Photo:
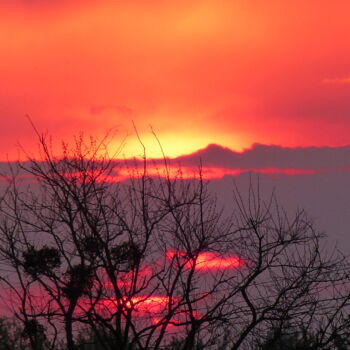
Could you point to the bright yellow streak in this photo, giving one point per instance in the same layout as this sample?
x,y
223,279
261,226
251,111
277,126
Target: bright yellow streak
x,y
171,145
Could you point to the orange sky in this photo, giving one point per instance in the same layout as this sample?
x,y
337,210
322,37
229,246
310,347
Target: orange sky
x,y
199,71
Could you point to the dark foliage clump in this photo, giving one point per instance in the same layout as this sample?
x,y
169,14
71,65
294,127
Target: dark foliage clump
x,y
80,281
41,261
10,335
126,253
91,246
32,328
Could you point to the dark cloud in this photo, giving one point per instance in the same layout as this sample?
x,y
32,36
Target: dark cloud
x,y
263,156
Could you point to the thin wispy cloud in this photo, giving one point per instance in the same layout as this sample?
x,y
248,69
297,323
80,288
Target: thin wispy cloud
x,y
336,81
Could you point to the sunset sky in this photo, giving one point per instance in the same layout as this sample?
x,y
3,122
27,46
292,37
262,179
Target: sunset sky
x,y
230,72
239,87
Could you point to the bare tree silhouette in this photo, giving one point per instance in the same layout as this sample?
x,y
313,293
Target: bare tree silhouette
x,y
134,263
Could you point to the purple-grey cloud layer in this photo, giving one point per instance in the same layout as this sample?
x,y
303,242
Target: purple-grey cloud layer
x,y
264,156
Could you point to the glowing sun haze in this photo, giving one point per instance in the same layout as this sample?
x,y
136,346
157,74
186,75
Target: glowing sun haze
x,y
200,72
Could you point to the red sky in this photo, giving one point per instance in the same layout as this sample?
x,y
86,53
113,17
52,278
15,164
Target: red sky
x,y
199,71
